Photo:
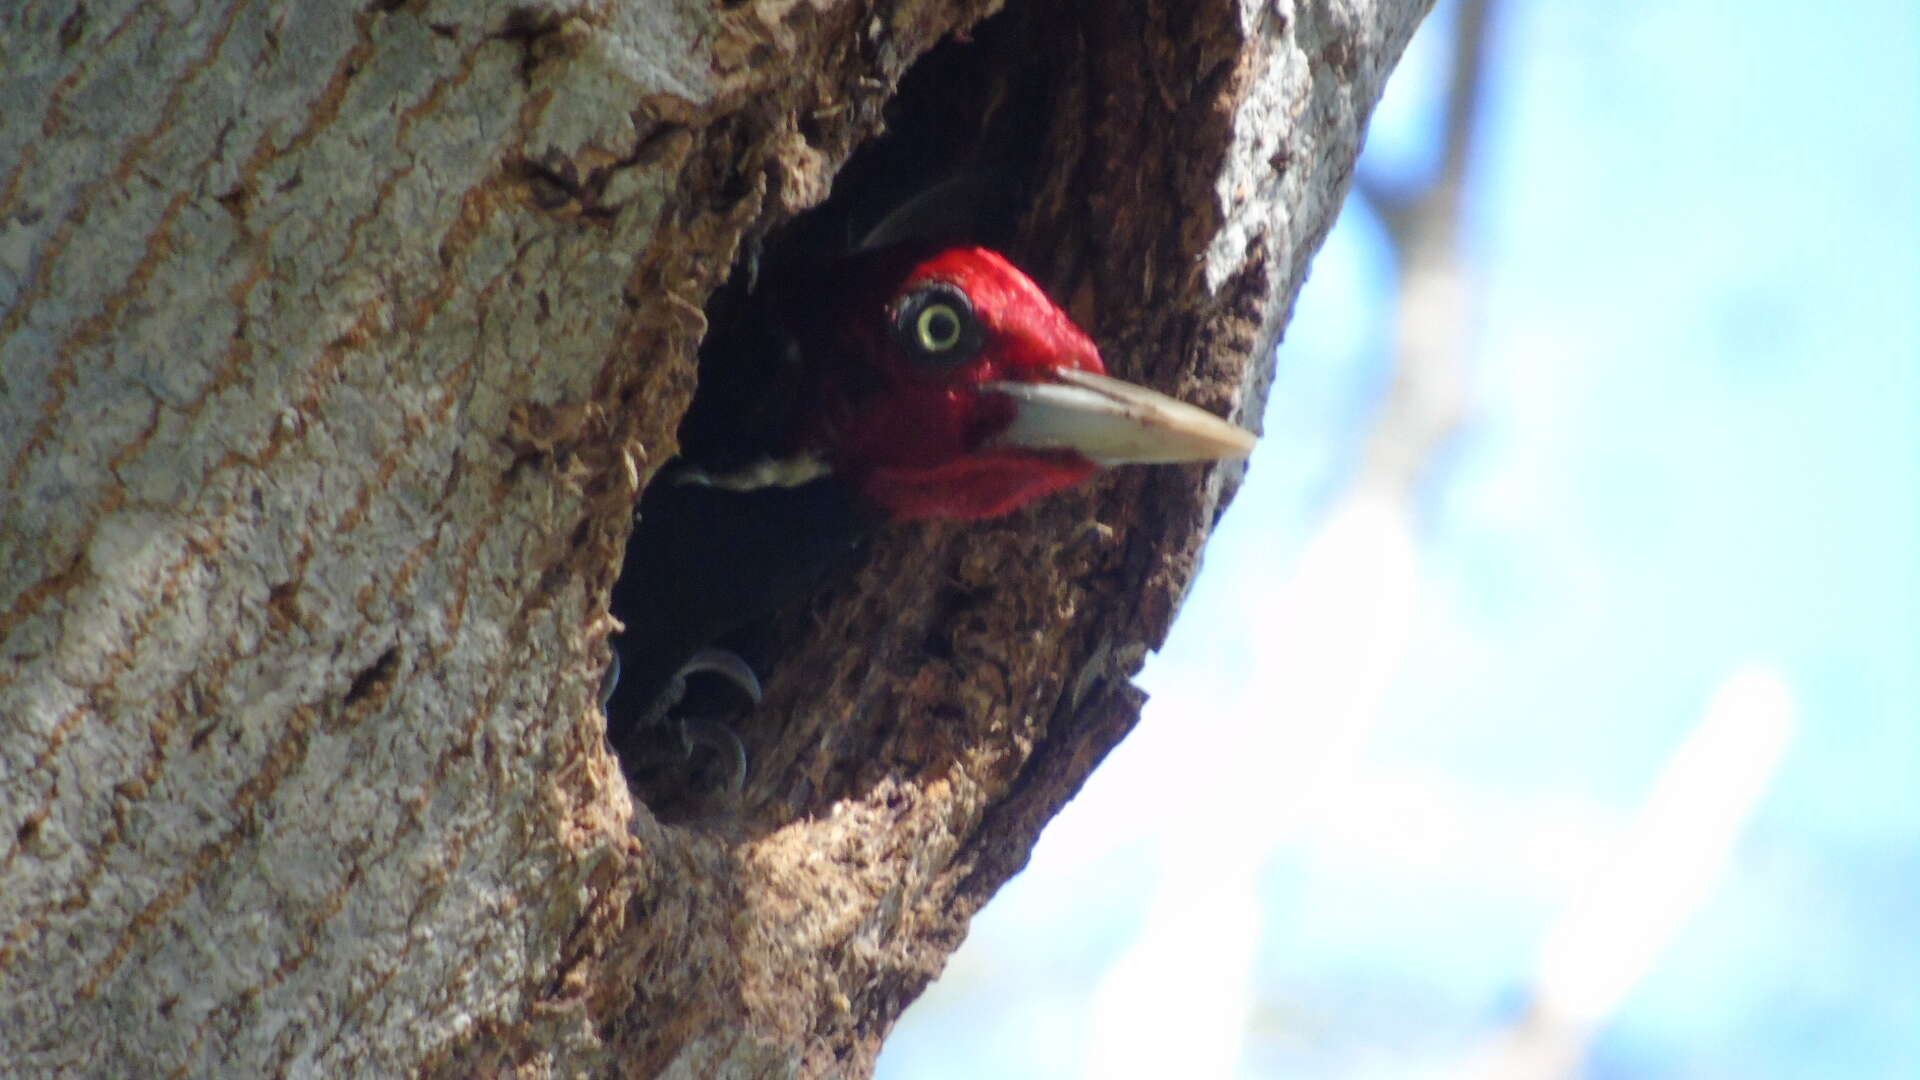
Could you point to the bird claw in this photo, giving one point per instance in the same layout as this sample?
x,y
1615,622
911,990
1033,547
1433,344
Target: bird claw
x,y
711,661
717,736
610,680
698,732
710,732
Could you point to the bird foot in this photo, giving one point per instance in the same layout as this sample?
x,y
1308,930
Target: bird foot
x,y
708,661
718,736
711,733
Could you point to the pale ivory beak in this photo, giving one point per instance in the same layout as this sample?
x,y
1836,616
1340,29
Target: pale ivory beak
x,y
1111,422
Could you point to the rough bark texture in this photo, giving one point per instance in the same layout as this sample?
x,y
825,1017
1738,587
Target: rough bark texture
x,y
335,343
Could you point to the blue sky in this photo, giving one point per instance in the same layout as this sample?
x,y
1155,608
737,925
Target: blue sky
x,y
1392,747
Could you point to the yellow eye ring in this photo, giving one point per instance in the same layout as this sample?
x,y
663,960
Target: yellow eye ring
x,y
939,328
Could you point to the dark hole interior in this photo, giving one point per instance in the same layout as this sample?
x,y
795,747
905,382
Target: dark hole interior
x,y
974,108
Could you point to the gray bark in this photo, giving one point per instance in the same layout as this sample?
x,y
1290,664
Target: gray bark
x,y
335,344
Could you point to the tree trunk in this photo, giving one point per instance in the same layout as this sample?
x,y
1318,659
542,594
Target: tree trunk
x,y
335,345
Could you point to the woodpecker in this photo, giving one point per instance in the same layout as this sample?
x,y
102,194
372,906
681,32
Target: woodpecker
x,y
906,382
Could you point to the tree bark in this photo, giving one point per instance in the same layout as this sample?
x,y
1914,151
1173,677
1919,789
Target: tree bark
x,y
335,345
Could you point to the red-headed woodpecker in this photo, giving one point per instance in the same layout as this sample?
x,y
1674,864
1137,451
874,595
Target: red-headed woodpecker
x,y
914,383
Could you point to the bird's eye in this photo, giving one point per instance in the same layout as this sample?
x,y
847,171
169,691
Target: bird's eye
x,y
936,324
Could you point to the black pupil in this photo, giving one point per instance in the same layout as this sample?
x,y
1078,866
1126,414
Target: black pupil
x,y
942,328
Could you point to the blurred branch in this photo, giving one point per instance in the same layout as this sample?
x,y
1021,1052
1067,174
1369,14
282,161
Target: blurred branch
x,y
1439,202
1427,399
1661,874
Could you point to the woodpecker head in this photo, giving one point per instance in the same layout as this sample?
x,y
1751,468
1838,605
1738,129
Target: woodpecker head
x,y
950,386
